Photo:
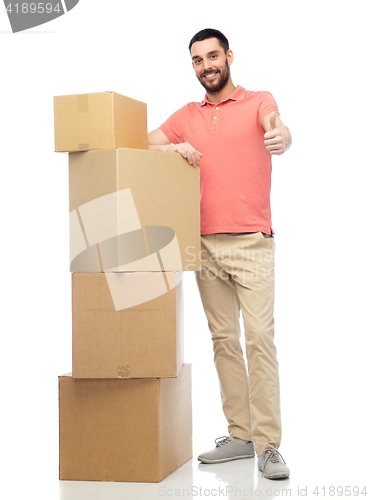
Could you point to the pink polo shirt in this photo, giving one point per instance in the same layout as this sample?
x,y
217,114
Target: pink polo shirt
x,y
236,167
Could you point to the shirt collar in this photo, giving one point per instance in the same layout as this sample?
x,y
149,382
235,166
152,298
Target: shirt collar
x,y
238,94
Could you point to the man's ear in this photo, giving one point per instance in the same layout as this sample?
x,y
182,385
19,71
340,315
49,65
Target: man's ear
x,y
230,57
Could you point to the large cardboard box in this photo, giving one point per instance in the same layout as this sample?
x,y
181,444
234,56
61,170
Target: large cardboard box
x,y
100,120
124,430
133,210
127,325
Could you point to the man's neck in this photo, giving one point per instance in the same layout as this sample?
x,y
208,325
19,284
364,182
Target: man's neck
x,y
226,92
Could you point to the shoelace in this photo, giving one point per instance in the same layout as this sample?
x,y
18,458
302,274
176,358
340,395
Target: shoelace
x,y
274,456
222,440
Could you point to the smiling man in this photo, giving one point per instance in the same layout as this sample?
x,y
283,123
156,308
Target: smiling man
x,y
234,132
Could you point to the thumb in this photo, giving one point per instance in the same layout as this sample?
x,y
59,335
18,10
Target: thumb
x,y
272,120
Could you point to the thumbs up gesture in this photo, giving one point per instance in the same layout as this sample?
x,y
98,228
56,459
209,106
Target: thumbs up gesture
x,y
274,139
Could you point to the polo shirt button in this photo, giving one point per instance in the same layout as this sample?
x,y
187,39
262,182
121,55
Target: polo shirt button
x,y
216,108
215,117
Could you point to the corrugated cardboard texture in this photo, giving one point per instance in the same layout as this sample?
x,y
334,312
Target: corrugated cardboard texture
x,y
124,430
144,340
100,120
147,204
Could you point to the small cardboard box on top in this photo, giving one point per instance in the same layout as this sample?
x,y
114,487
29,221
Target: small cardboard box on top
x,y
99,120
133,210
127,325
137,430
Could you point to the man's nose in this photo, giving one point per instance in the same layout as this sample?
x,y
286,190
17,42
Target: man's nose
x,y
207,64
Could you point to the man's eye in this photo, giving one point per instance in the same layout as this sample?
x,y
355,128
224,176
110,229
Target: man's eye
x,y
198,61
213,56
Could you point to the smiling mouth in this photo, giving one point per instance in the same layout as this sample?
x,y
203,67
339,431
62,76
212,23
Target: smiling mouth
x,y
210,75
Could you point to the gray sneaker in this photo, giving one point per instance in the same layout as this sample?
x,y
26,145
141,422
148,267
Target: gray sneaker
x,y
272,465
227,449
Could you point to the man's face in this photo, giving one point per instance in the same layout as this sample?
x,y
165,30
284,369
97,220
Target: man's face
x,y
211,65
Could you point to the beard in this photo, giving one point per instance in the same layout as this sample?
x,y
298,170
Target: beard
x,y
213,88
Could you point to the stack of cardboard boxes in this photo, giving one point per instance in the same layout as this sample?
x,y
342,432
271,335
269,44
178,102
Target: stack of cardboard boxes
x,y
125,411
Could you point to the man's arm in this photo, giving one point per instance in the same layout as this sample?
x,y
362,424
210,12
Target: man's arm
x,y
158,141
277,137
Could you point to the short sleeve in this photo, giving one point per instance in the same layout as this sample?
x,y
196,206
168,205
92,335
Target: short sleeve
x,y
172,127
267,105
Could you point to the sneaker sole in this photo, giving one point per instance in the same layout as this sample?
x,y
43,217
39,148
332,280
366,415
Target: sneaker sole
x,y
277,475
222,460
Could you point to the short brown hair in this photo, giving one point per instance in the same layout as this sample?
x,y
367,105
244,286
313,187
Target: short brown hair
x,y
210,33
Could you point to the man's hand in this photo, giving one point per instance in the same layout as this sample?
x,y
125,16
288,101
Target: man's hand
x,y
277,136
158,141
187,151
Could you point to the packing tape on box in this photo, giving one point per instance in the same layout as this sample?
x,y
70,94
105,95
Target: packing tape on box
x,y
82,103
106,236
124,372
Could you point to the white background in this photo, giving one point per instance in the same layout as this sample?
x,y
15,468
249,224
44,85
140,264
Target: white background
x,y
313,57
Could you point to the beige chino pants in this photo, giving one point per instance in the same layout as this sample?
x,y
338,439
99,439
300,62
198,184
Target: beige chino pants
x,y
238,275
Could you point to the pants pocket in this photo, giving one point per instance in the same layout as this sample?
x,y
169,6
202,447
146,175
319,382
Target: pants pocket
x,y
267,235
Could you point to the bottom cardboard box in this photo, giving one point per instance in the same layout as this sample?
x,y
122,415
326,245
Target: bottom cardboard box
x,y
136,430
